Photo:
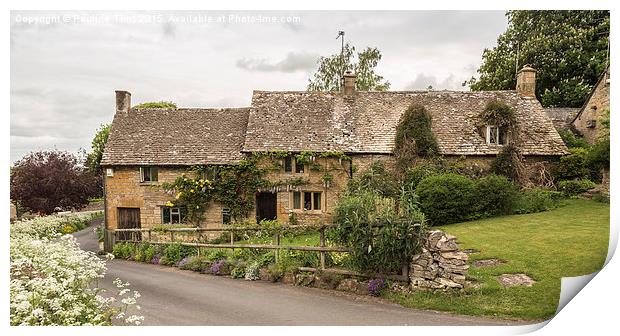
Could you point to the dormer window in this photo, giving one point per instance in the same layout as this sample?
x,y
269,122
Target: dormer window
x,y
496,135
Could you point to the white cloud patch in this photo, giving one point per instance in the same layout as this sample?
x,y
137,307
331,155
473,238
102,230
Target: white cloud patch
x,y
291,63
424,82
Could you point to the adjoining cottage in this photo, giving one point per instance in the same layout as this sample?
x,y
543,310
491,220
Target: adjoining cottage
x,y
147,147
587,122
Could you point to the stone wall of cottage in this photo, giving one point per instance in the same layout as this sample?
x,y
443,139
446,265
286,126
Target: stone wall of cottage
x,y
313,182
361,162
331,192
124,190
589,122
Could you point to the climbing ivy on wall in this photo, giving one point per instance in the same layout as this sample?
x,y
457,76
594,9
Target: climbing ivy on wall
x,y
232,186
414,137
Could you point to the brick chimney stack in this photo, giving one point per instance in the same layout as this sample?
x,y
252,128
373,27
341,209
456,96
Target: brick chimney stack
x,y
123,101
526,81
348,82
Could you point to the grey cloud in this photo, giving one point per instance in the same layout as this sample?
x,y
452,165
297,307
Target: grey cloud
x,y
291,63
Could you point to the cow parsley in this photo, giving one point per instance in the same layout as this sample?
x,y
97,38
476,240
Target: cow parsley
x,y
53,281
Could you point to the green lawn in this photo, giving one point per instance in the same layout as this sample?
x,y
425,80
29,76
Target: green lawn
x,y
568,241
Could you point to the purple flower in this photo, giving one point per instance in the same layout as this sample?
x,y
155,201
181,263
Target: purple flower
x,y
155,260
376,285
216,268
183,262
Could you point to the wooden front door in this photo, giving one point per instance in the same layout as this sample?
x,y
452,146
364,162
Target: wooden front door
x,y
266,206
128,218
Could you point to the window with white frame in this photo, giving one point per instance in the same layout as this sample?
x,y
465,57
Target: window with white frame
x,y
307,200
148,174
173,215
496,135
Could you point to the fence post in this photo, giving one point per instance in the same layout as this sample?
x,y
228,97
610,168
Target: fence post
x,y
322,244
149,235
172,236
277,244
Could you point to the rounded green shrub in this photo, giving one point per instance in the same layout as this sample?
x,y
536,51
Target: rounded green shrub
x,y
149,253
174,252
446,198
495,195
572,166
124,250
415,174
575,187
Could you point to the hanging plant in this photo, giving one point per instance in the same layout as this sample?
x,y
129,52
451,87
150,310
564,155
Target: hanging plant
x,y
327,179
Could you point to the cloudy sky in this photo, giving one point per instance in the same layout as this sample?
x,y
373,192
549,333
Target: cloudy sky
x,y
65,66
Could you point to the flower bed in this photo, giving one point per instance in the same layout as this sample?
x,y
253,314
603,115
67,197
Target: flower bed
x,y
53,281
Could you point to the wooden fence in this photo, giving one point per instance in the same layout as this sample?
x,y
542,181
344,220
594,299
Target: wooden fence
x,y
145,235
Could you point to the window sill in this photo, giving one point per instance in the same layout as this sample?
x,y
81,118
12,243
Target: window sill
x,y
312,212
149,183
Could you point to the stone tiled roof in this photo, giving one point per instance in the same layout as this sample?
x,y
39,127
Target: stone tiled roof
x,y
366,122
176,137
561,116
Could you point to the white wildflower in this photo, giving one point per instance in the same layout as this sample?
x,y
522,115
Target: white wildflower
x,y
53,281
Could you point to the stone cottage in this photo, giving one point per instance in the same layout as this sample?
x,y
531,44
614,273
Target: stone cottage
x,y
147,147
587,122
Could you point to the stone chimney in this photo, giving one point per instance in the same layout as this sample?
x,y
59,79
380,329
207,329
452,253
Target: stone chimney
x,y
348,82
526,81
123,101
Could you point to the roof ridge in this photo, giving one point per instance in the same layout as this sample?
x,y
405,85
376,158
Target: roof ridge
x,y
384,92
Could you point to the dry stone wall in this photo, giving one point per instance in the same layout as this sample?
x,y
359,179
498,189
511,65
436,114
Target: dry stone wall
x,y
440,265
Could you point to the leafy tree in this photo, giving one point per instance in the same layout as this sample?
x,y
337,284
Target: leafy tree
x,y
160,104
93,160
329,73
45,180
568,48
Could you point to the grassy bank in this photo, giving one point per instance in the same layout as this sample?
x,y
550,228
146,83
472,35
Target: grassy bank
x,y
569,241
